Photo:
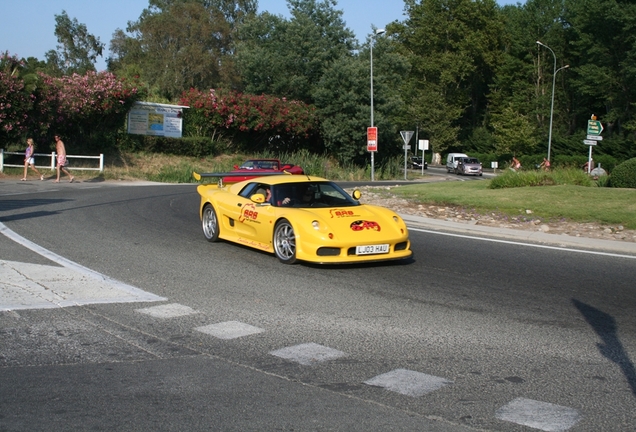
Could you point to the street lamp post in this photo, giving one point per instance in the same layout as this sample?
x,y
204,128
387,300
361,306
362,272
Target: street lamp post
x,y
377,33
553,86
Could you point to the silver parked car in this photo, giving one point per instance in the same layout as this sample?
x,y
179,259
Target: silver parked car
x,y
468,166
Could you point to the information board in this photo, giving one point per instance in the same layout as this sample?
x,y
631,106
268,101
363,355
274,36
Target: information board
x,y
147,118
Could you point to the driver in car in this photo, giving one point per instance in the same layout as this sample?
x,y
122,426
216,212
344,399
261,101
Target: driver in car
x,y
304,199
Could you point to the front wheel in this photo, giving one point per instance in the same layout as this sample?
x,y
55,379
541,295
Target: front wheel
x,y
210,223
285,242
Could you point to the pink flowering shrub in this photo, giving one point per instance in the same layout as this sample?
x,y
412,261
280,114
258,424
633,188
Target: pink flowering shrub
x,y
15,102
14,106
87,110
248,118
79,104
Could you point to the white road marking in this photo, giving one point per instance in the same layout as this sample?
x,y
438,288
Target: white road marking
x,y
308,354
35,286
408,382
167,311
230,330
522,244
539,415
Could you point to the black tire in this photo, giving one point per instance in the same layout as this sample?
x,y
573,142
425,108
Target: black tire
x,y
210,223
285,242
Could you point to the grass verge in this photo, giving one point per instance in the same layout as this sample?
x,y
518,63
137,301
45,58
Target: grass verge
x,y
571,202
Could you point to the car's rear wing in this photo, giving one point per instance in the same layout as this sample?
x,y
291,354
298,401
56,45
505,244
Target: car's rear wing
x,y
221,175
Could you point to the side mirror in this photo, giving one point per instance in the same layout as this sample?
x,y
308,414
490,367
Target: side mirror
x,y
258,198
236,166
357,195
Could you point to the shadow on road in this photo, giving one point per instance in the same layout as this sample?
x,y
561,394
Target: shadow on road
x,y
605,326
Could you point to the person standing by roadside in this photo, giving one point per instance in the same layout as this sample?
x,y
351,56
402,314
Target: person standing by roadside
x,y
60,150
29,160
515,165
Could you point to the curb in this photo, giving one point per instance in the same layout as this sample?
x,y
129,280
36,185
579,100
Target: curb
x,y
562,240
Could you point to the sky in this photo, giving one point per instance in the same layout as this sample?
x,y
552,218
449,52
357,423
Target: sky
x,y
28,26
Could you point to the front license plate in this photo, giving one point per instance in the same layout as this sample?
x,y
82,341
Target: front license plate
x,y
372,249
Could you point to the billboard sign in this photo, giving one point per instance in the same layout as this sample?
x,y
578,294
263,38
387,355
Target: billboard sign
x,y
147,118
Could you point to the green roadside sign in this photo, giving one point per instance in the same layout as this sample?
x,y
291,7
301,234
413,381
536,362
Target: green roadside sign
x,y
594,127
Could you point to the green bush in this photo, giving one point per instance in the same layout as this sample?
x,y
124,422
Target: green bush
x,y
624,175
186,146
511,179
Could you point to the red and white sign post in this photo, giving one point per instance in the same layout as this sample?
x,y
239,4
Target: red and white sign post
x,y
372,139
372,146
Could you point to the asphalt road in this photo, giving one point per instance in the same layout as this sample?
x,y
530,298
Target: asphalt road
x,y
466,335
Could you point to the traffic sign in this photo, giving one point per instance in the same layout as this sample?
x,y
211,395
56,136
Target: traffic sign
x,y
590,142
406,136
594,127
372,139
595,137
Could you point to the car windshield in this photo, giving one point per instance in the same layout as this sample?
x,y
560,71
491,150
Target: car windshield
x,y
471,160
259,164
311,195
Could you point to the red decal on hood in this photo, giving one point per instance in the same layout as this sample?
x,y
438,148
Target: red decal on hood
x,y
360,225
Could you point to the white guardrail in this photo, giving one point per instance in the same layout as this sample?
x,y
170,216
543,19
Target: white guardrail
x,y
52,158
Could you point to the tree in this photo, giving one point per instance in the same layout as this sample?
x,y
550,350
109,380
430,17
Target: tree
x,y
77,51
513,132
603,41
181,44
288,58
454,49
343,100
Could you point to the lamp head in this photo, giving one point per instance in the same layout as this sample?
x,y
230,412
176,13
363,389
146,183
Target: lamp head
x,y
378,32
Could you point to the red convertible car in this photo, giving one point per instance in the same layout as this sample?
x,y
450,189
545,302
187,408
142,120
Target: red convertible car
x,y
256,167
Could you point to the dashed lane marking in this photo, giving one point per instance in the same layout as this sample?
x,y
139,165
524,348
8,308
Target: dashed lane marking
x,y
167,311
539,415
308,354
408,382
230,330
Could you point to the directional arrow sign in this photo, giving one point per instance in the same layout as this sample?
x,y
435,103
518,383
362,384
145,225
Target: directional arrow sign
x,y
594,127
595,137
590,142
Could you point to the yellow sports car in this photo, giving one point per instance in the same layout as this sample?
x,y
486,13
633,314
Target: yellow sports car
x,y
300,217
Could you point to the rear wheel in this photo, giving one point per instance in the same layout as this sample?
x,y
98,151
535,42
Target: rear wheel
x,y
285,242
210,223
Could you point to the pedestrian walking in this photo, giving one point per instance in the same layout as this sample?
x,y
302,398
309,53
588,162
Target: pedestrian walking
x,y
60,150
29,159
